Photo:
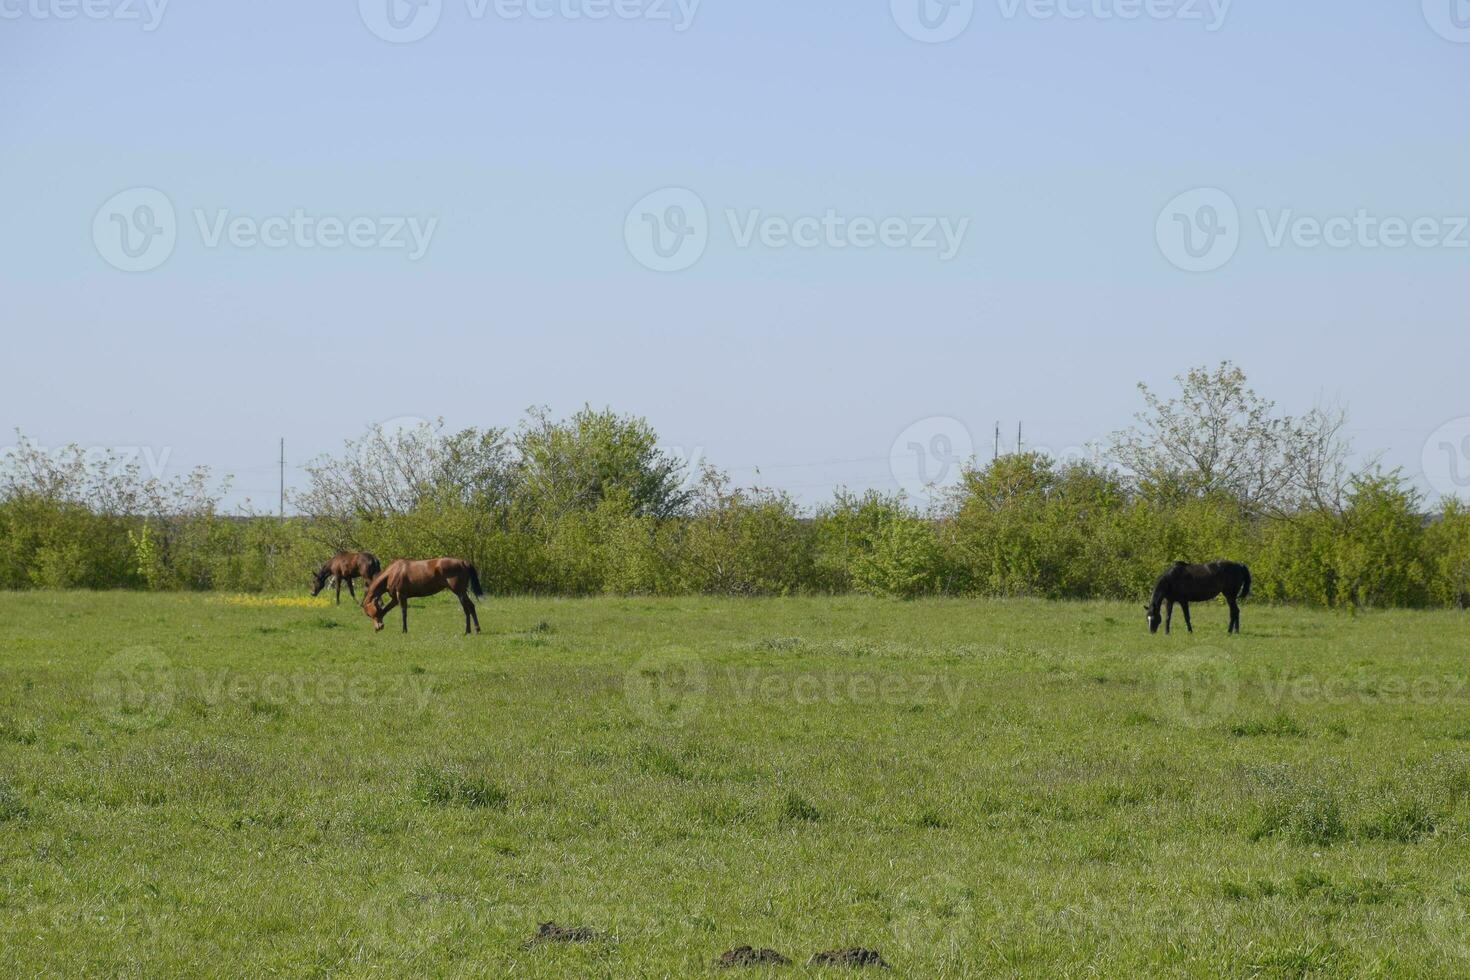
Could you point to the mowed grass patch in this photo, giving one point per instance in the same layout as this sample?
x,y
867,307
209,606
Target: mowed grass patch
x,y
968,788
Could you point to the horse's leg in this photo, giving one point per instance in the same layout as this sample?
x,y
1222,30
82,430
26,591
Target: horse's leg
x,y
1169,617
1234,614
339,590
1185,607
469,613
349,592
403,608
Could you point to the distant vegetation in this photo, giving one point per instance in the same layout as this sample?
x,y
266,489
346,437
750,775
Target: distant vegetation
x,y
590,505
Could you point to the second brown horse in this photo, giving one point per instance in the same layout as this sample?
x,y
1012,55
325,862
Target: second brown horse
x,y
404,580
344,567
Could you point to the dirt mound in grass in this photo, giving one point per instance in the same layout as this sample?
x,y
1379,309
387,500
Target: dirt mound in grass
x,y
856,956
749,956
550,932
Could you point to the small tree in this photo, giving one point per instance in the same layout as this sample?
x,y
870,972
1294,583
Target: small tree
x,y
1219,436
577,463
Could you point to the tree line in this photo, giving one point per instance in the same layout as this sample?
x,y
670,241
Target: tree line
x,y
590,505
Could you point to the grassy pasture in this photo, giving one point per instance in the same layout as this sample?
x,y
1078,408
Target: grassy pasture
x,y
190,785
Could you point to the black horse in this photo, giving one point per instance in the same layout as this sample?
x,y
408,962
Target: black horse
x,y
1184,583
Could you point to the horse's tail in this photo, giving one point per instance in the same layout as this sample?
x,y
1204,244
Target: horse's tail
x,y
373,566
1245,589
475,581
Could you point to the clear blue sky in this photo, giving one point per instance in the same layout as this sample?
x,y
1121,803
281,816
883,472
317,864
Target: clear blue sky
x,y
529,139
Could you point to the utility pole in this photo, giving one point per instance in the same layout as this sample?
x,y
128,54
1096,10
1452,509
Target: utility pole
x,y
283,478
1018,438
996,454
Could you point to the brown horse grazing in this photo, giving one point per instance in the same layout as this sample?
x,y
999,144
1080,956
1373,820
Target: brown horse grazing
x,y
344,567
404,580
1184,583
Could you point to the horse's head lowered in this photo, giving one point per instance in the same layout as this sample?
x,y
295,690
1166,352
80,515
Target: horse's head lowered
x,y
373,611
319,580
1154,619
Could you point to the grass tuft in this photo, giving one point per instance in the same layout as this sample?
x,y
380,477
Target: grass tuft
x,y
12,807
796,809
439,787
10,731
1401,820
1311,817
1279,725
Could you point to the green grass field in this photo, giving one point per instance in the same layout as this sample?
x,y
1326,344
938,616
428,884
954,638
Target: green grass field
x,y
194,786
